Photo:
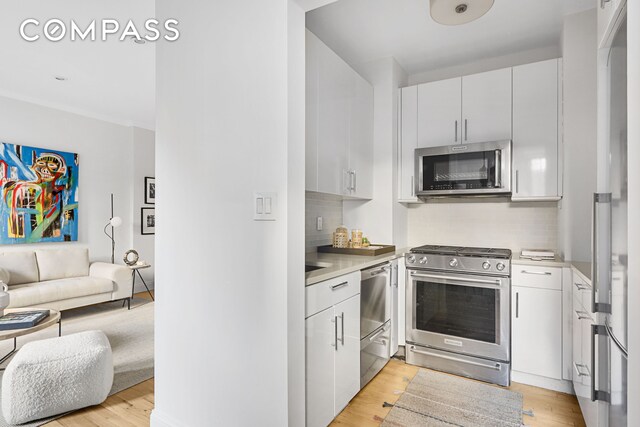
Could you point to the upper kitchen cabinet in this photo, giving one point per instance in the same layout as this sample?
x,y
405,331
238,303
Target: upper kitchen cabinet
x,y
486,106
536,104
339,125
439,113
407,144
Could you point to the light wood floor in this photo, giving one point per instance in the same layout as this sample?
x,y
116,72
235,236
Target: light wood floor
x,y
129,408
551,409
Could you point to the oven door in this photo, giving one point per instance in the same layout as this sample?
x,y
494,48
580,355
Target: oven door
x,y
481,168
467,314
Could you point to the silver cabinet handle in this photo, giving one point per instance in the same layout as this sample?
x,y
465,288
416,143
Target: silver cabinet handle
x,y
380,332
597,394
380,271
538,273
339,285
601,288
353,180
342,323
517,181
581,287
517,305
456,130
466,134
335,332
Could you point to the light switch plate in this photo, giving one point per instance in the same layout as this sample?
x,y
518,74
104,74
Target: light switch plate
x,y
265,206
319,223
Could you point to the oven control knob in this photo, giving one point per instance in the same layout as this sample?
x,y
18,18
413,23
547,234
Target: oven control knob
x,y
486,265
411,259
500,266
453,262
423,260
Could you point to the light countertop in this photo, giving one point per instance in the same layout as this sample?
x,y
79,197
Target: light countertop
x,y
337,265
344,264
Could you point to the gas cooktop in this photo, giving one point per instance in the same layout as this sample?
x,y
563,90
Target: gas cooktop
x,y
463,251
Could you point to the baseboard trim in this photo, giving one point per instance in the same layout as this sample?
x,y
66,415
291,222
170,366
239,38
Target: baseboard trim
x,y
161,420
562,386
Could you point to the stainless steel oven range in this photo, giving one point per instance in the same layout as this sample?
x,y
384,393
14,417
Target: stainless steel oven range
x,y
458,311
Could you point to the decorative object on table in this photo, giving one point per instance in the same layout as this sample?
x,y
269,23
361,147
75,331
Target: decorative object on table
x,y
365,242
373,250
5,298
131,257
114,222
149,190
22,319
538,254
39,195
341,237
356,239
148,220
57,375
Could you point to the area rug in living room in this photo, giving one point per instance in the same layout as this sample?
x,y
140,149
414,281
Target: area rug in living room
x,y
434,399
130,333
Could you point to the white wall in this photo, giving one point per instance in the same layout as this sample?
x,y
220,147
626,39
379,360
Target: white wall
x,y
144,164
580,117
486,223
633,97
377,217
106,166
487,64
225,94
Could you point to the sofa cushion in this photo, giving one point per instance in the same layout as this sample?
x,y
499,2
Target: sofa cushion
x,y
5,276
22,267
34,294
63,263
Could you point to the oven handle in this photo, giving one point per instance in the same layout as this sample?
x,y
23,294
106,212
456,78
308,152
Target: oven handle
x,y
495,366
495,282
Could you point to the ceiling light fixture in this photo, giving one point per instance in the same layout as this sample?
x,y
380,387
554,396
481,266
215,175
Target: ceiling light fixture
x,y
457,12
60,78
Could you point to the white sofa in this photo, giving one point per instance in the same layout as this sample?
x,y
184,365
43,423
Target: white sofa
x,y
61,279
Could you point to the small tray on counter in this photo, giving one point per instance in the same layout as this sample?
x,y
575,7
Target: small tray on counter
x,y
373,250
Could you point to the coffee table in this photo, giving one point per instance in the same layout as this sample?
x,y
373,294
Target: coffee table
x,y
53,318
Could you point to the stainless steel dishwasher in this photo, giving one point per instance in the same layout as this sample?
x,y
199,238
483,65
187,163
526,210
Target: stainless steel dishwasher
x,y
375,320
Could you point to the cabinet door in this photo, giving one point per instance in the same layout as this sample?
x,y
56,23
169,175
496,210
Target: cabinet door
x,y
486,106
537,331
320,338
535,130
335,92
361,139
311,112
439,110
347,356
408,143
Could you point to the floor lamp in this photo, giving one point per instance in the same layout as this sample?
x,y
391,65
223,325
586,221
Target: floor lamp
x,y
114,221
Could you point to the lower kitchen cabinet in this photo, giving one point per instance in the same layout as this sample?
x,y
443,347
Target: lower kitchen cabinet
x,y
332,339
536,322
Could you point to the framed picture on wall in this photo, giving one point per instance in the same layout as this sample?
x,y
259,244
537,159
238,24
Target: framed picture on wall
x,y
150,190
148,221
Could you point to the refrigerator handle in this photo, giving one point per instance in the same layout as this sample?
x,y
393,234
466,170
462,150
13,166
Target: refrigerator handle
x,y
600,265
595,370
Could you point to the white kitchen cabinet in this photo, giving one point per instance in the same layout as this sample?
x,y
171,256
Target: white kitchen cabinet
x,y
535,131
332,339
486,106
407,144
536,331
339,125
439,113
361,140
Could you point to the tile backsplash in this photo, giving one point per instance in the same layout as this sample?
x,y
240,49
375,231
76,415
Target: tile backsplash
x,y
486,223
330,209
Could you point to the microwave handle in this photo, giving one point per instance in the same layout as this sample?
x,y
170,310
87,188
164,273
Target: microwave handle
x,y
498,170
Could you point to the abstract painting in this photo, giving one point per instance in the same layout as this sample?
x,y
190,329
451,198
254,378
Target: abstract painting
x,y
39,195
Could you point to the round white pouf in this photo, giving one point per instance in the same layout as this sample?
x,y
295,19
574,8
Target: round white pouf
x,y
57,375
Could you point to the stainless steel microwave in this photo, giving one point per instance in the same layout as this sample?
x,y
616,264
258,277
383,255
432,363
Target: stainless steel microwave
x,y
482,168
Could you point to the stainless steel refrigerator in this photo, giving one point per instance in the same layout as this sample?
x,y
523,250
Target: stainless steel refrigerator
x,y
610,259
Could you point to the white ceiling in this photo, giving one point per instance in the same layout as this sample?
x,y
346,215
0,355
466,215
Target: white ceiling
x,y
365,30
110,80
